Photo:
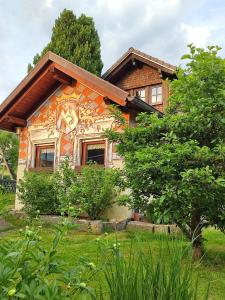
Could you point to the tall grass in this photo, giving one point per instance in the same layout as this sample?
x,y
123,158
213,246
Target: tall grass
x,y
146,273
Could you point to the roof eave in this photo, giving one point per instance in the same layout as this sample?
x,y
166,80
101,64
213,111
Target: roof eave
x,y
165,67
137,102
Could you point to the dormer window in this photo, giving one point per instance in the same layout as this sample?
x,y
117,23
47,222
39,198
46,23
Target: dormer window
x,y
141,94
156,94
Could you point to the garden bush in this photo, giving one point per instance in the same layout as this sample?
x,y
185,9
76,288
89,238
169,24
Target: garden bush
x,y
64,179
28,270
96,189
36,192
67,192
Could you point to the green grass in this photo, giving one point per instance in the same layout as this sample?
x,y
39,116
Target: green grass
x,y
76,245
7,201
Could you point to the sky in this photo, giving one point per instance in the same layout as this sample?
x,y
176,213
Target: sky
x,y
161,28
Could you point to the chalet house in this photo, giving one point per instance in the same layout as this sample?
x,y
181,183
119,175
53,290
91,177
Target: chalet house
x,y
60,110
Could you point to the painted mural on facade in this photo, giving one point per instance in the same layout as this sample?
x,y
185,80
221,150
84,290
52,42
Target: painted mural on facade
x,y
72,113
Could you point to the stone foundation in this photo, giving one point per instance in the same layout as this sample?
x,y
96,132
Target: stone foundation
x,y
154,228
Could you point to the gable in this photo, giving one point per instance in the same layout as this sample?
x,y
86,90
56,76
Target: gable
x,y
71,112
51,71
133,58
138,76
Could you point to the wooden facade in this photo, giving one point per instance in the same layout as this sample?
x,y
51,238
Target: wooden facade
x,y
142,75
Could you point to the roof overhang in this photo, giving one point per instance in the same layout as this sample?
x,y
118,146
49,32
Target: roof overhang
x,y
51,72
137,103
133,56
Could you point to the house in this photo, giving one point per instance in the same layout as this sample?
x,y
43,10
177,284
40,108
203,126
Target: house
x,y
60,110
142,75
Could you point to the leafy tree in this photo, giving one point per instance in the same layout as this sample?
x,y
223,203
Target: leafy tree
x,y
175,165
9,151
75,39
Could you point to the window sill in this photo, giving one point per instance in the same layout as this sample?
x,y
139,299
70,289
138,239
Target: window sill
x,y
79,168
155,104
42,170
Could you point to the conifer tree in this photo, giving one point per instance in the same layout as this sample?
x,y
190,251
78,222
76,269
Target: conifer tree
x,y
76,40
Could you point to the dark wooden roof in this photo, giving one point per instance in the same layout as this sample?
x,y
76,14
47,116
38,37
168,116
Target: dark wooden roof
x,y
51,71
133,54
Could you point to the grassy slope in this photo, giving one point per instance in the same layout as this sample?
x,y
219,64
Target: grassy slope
x,y
7,201
211,269
76,245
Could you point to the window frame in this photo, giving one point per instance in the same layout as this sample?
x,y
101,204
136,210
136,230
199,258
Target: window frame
x,y
38,149
157,101
84,149
139,90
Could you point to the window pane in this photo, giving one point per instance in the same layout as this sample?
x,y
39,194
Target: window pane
x,y
46,158
96,155
159,90
154,99
157,94
141,94
154,91
159,98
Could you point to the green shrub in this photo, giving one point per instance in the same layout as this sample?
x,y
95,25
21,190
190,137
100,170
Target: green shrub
x,y
64,180
28,270
36,192
96,189
64,192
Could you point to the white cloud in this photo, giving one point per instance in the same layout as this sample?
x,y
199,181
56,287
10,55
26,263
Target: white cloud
x,y
149,25
198,35
48,3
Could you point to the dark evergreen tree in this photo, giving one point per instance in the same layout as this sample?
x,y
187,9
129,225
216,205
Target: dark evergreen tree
x,y
76,40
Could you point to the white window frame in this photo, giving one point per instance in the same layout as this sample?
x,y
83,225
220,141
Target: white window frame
x,y
156,94
139,94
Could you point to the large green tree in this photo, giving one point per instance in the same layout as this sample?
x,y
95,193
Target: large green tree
x,y
175,165
75,39
9,152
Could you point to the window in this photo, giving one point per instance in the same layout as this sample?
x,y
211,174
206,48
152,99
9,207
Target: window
x,y
156,94
141,94
93,152
45,156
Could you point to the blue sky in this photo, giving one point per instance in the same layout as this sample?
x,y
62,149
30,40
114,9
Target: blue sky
x,y
161,28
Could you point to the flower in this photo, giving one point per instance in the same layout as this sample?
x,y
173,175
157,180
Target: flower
x,y
83,285
11,292
106,233
116,245
92,265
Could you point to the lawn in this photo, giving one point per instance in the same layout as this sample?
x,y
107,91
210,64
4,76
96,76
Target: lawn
x,y
75,246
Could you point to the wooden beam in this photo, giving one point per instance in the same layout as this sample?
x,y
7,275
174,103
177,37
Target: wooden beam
x,y
17,121
44,97
61,77
31,85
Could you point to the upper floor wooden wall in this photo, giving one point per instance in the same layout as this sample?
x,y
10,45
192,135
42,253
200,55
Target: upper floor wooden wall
x,y
145,81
